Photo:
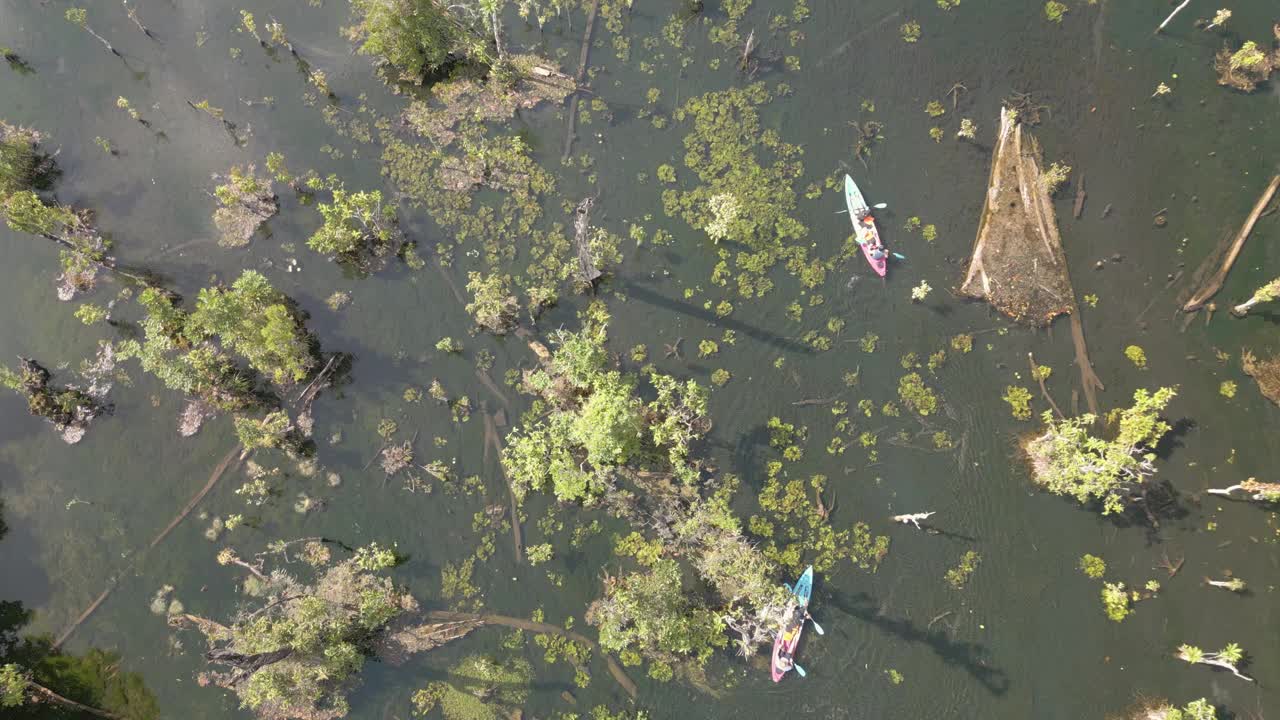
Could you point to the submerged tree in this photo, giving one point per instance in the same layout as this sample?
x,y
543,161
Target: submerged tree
x,y
1245,68
22,165
410,37
478,688
1147,709
650,614
494,307
301,651
1228,658
69,407
358,229
194,352
245,202
1067,460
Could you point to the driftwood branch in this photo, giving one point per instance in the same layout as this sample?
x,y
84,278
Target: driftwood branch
x,y
1214,284
1175,12
491,441
582,73
913,518
1044,391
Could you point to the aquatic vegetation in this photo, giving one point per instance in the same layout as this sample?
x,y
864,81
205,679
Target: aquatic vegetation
x,y
909,31
1019,399
478,688
958,576
915,395
929,233
962,343
91,314
1227,389
1054,11
494,307
936,134
935,109
968,130
720,377
745,195
1115,601
920,292
245,202
868,342
1161,89
1067,460
708,348
449,345
1093,566
1137,356
41,679
1228,658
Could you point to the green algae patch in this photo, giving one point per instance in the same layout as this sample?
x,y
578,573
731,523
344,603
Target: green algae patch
x,y
745,196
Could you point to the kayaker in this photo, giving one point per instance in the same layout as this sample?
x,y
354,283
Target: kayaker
x,y
785,663
878,253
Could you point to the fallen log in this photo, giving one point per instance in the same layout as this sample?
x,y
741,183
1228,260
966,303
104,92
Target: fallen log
x,y
1214,284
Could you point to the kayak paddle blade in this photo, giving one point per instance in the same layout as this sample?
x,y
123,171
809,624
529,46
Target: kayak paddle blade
x,y
799,670
817,627
900,256
880,206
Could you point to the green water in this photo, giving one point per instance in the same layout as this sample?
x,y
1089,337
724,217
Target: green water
x,y
1026,639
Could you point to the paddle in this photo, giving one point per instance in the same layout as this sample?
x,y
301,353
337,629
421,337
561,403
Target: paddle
x,y
877,206
816,626
900,256
799,669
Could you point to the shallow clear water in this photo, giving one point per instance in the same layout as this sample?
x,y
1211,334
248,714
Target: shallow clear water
x,y
1026,638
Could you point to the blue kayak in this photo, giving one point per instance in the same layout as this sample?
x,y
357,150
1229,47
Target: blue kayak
x,y
784,646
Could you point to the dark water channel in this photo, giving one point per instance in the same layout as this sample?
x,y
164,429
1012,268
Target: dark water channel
x,y
1026,638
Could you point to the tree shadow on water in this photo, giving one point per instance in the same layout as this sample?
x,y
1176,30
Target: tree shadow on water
x,y
657,299
968,656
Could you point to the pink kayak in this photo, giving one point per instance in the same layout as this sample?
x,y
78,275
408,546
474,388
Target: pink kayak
x,y
864,228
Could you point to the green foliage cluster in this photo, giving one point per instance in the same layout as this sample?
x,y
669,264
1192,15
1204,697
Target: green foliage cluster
x,y
270,431
1054,11
494,307
1067,460
745,195
44,682
591,423
958,576
915,395
190,352
650,613
413,37
358,228
1115,601
1019,399
1137,356
1093,566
